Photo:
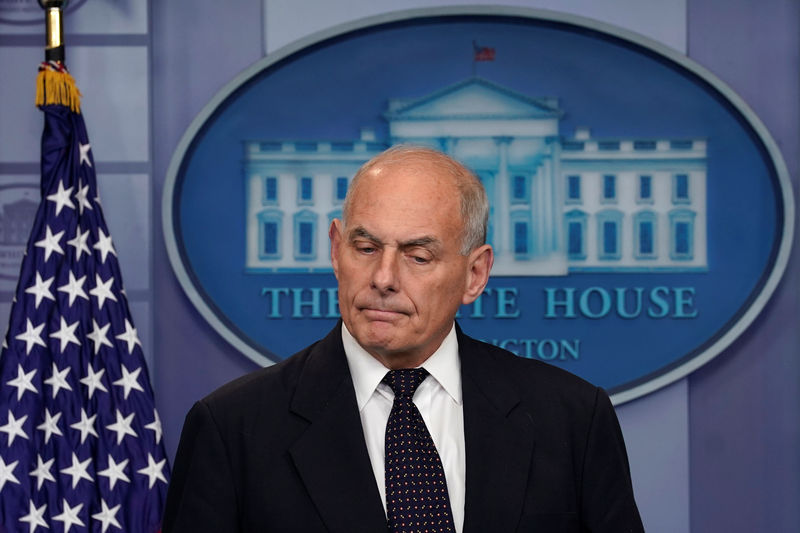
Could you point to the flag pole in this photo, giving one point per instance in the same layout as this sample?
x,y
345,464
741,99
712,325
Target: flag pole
x,y
54,84
474,62
54,28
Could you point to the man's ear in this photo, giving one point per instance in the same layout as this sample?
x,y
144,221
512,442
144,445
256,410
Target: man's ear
x,y
479,265
335,235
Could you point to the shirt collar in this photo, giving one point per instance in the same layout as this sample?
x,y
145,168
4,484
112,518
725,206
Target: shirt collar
x,y
367,372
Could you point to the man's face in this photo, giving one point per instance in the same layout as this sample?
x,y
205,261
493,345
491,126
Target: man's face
x,y
401,276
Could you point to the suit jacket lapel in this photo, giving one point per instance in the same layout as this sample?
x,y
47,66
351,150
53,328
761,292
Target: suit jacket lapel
x,y
331,456
499,443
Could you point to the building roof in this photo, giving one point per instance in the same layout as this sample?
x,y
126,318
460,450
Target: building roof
x,y
472,98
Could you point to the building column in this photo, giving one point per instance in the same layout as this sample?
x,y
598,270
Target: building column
x,y
448,145
538,201
556,198
323,205
502,244
546,216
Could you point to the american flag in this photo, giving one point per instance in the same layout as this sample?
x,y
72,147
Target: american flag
x,y
81,445
482,53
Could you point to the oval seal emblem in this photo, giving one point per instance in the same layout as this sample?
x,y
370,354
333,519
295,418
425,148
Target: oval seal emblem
x,y
641,214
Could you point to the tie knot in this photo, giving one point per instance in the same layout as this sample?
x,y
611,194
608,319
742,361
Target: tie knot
x,y
404,382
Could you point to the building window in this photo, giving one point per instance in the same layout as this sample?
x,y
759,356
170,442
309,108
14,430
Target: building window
x,y
609,224
573,189
645,193
270,191
575,223
645,240
305,146
607,145
342,146
575,239
521,234
572,146
269,234
681,222
644,145
305,230
520,189
520,238
682,246
609,188
305,240
305,190
644,235
681,145
340,189
610,231
271,146
270,238
680,189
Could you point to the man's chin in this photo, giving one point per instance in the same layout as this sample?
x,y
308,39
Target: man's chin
x,y
377,337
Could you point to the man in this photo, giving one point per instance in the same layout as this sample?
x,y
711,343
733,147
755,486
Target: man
x,y
330,440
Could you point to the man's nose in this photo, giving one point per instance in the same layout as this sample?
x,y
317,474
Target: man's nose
x,y
385,275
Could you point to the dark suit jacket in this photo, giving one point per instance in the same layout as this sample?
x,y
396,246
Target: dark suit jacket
x,y
282,450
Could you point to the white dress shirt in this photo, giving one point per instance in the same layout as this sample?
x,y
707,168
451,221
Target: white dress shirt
x,y
439,401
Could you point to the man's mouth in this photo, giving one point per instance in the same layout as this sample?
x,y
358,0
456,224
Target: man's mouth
x,y
381,313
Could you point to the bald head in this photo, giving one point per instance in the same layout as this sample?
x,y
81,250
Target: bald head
x,y
474,205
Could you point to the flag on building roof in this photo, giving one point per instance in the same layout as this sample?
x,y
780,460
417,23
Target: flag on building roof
x,y
482,53
81,445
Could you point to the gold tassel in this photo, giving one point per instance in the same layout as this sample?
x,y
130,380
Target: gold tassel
x,y
57,87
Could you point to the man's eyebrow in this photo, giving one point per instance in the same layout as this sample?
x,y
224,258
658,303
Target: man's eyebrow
x,y
359,232
425,242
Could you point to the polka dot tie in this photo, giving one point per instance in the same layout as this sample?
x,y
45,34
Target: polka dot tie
x,y
416,489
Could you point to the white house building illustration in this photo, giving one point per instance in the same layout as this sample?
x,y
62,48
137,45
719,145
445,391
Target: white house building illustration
x,y
559,204
18,204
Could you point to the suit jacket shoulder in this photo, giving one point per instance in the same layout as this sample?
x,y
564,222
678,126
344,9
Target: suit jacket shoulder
x,y
550,396
525,372
280,449
272,385
555,450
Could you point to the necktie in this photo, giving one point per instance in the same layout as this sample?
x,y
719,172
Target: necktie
x,y
416,490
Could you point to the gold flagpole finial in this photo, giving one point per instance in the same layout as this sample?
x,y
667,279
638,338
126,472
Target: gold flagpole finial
x,y
54,85
54,48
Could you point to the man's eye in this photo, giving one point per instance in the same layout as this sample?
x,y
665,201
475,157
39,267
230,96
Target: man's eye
x,y
365,249
420,260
